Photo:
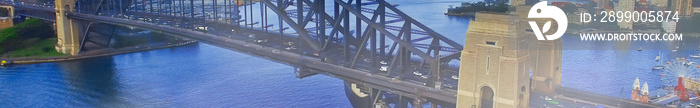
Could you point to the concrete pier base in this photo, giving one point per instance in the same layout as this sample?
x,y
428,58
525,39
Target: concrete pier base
x,y
68,31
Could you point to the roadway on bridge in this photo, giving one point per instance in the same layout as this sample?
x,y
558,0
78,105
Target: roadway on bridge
x,y
300,57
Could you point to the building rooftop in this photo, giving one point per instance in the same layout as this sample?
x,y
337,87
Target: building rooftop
x,y
560,4
642,1
607,6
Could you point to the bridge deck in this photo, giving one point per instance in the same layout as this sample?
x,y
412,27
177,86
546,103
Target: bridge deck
x,y
406,82
303,56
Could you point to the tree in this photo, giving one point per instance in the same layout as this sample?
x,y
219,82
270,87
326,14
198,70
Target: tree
x,y
490,1
495,6
590,6
569,8
531,2
500,2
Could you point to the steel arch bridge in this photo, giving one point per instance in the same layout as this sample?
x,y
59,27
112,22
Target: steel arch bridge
x,y
370,43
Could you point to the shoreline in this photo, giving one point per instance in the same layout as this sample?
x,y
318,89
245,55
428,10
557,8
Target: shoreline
x,y
460,14
93,54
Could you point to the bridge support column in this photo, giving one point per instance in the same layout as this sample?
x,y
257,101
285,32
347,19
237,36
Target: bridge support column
x,y
494,70
6,21
547,74
67,30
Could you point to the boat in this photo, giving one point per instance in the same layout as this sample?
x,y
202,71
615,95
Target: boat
x,y
639,49
696,55
455,77
5,63
658,63
675,49
658,57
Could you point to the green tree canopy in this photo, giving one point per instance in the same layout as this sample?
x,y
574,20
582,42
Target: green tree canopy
x,y
590,6
569,8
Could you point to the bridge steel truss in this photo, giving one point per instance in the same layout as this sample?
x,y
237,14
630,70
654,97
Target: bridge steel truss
x,y
427,47
34,12
368,36
389,35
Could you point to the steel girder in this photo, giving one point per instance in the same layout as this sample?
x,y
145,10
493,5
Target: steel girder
x,y
433,53
409,45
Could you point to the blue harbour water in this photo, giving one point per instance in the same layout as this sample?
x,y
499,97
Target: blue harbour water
x,y
612,72
203,75
189,76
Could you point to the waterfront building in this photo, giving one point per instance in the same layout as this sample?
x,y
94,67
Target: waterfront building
x,y
560,4
643,7
576,17
683,7
608,8
661,4
643,2
517,2
669,27
625,6
603,5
